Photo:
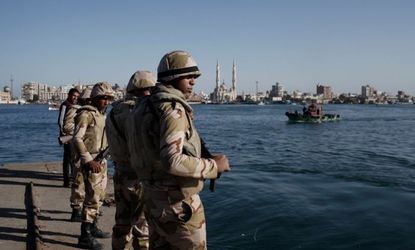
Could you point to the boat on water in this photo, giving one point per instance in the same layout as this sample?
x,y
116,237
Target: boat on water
x,y
313,113
53,106
297,117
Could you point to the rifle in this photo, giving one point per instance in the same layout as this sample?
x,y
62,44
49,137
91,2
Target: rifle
x,y
102,155
206,154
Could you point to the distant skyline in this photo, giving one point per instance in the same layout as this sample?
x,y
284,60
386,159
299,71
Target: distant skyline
x,y
341,43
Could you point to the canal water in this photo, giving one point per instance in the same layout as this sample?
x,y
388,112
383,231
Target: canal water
x,y
336,185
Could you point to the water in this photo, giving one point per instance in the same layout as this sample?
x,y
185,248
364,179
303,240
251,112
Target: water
x,y
337,185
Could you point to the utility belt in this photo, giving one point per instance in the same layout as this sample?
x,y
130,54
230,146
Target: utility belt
x,y
161,185
154,190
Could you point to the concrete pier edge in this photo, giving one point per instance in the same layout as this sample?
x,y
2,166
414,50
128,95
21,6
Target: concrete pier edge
x,y
35,210
34,238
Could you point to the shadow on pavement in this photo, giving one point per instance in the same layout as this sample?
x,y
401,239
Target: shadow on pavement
x,y
12,213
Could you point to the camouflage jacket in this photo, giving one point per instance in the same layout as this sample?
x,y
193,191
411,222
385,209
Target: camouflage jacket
x,y
115,124
89,135
69,120
166,148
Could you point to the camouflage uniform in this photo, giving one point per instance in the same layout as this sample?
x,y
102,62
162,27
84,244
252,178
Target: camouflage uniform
x,y
89,140
128,228
77,190
172,170
78,187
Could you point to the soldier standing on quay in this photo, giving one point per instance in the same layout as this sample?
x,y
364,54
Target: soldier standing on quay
x,y
168,158
63,110
130,224
77,187
89,140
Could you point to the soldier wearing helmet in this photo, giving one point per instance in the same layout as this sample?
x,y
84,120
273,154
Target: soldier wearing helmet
x,y
89,140
169,161
85,97
130,224
77,188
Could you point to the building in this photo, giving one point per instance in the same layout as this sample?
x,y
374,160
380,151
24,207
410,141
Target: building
x,y
221,93
368,91
5,95
324,91
40,92
277,90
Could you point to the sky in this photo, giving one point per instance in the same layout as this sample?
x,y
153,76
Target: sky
x,y
299,43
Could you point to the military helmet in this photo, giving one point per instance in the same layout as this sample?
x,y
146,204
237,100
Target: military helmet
x,y
141,80
86,93
176,64
102,89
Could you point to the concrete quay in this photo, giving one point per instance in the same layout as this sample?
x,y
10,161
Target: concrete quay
x,y
52,203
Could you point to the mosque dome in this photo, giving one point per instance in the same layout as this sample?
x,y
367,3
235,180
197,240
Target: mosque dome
x,y
6,89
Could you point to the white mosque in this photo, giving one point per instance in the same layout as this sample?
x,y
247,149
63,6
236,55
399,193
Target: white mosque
x,y
221,93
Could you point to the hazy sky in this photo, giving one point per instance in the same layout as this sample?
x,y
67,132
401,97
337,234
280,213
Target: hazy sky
x,y
299,43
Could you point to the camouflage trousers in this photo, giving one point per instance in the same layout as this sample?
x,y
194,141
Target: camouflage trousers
x,y
174,226
77,188
130,227
95,185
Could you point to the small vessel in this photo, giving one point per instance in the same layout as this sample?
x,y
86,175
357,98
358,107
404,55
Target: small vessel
x,y
313,113
21,101
53,106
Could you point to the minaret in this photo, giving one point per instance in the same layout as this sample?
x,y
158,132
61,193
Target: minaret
x,y
217,74
216,97
234,81
11,87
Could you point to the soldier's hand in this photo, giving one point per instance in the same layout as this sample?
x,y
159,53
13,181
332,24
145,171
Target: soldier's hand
x,y
94,166
222,162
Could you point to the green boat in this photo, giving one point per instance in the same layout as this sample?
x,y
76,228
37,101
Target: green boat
x,y
297,117
312,113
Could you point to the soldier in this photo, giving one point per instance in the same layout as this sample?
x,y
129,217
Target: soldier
x,y
77,187
67,105
168,158
89,140
127,230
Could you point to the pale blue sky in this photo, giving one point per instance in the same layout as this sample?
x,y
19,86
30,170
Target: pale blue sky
x,y
299,43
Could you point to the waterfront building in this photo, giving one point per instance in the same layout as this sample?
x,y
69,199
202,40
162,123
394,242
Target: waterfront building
x,y
277,90
42,93
119,93
221,93
368,91
325,92
5,95
368,94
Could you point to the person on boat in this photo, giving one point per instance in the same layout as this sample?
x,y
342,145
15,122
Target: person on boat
x,y
77,188
314,110
131,228
169,158
67,165
89,140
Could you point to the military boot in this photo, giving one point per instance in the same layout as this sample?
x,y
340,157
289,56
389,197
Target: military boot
x,y
98,233
76,215
86,240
